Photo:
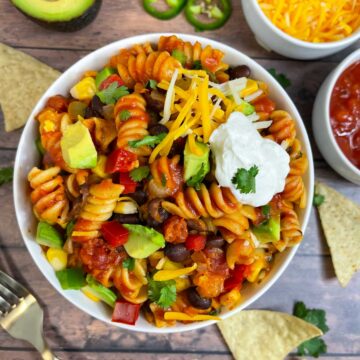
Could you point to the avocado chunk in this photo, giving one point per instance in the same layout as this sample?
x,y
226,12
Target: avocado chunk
x,y
77,147
103,75
61,15
269,231
100,291
47,235
142,241
196,166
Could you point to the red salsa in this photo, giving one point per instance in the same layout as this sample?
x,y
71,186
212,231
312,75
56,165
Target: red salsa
x,y
345,113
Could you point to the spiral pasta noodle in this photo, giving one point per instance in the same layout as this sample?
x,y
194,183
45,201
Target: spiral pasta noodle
x,y
213,202
48,195
98,208
282,128
74,181
135,126
210,59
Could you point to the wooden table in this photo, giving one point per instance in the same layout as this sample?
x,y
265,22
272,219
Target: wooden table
x,y
310,276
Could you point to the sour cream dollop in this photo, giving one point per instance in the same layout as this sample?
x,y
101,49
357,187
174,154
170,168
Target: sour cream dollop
x,y
237,144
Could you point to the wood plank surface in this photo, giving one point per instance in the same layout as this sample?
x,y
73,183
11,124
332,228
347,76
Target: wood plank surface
x,y
310,277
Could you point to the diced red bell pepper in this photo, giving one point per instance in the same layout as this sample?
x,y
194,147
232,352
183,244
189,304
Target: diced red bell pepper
x,y
195,242
264,104
128,183
114,233
121,160
111,79
236,278
125,312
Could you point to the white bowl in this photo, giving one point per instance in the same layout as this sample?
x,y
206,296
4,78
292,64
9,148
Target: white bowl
x,y
272,38
322,130
27,156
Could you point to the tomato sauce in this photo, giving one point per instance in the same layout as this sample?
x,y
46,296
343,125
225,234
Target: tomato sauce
x,y
345,113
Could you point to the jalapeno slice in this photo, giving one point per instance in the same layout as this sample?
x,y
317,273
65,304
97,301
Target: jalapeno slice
x,y
174,8
217,11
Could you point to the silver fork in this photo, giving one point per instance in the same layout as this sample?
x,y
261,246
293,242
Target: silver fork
x,y
21,315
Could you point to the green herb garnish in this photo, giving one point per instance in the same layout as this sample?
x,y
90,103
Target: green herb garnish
x,y
281,78
149,140
318,199
179,56
244,180
6,175
317,317
112,93
265,210
70,228
140,173
128,263
152,84
162,292
125,115
197,65
163,180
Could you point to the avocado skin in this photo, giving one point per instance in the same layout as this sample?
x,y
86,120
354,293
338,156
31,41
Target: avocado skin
x,y
74,24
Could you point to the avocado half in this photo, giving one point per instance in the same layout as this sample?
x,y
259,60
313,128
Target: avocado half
x,y
60,15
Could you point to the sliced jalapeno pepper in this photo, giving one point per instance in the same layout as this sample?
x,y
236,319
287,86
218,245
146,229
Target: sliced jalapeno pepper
x,y
218,14
174,8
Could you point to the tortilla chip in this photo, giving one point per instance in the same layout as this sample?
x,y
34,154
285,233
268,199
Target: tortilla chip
x,y
23,80
261,334
340,219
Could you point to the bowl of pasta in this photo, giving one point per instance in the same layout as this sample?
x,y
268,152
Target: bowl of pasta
x,y
163,182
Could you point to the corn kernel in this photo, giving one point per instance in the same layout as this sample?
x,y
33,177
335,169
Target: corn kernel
x,y
49,125
84,89
171,265
182,284
99,169
90,295
230,299
255,269
57,258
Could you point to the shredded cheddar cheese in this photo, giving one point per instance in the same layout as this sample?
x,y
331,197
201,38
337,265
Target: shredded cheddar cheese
x,y
174,315
164,275
314,21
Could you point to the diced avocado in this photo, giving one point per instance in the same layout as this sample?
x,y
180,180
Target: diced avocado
x,y
142,241
102,75
196,166
247,108
71,278
77,147
268,231
47,235
61,15
100,291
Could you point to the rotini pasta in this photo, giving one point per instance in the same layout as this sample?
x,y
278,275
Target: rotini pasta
x,y
155,208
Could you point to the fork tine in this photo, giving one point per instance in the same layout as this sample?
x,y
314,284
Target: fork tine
x,y
11,298
5,307
16,288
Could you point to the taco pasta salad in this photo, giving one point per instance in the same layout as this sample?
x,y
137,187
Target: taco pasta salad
x,y
168,181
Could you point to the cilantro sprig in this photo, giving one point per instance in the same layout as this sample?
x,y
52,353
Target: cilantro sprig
x,y
140,173
318,199
179,56
125,115
316,346
152,84
6,175
128,263
280,77
112,93
244,180
162,292
149,140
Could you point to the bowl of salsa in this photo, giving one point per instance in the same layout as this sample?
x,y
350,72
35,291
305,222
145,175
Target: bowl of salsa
x,y
336,118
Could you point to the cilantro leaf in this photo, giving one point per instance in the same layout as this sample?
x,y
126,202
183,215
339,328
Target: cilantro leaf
x,y
179,56
197,179
6,175
265,210
128,263
150,140
318,199
140,173
125,115
112,93
152,84
162,292
244,180
163,180
316,346
281,78
70,228
197,65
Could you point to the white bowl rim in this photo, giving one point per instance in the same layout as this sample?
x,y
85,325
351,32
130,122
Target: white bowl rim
x,y
336,73
152,37
305,44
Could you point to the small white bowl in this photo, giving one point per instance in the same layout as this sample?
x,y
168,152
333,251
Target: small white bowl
x,y
27,156
322,130
272,38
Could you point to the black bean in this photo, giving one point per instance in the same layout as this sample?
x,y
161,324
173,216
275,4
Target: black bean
x,y
95,108
214,241
155,100
158,129
139,196
127,218
196,300
178,147
156,211
196,224
150,221
239,71
177,252
154,118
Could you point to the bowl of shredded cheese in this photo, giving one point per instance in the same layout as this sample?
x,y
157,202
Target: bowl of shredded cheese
x,y
304,29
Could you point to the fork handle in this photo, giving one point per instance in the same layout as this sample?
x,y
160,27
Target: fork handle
x,y
46,354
